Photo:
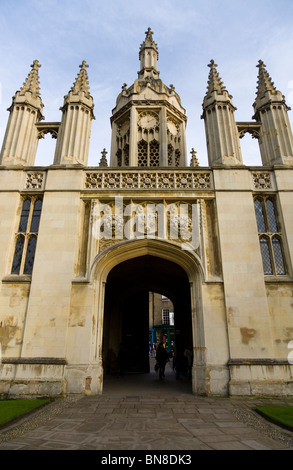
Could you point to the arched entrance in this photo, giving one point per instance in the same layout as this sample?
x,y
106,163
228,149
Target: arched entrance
x,y
122,274
126,315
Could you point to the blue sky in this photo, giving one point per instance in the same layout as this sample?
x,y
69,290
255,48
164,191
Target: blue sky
x,y
107,34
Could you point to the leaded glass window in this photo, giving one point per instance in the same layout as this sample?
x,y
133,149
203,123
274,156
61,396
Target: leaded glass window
x,y
26,237
278,256
17,255
259,216
30,255
270,236
266,255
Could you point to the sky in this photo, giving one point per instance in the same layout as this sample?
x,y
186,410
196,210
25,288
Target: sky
x,y
107,34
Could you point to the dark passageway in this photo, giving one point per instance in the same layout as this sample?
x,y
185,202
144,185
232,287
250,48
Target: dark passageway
x,y
127,310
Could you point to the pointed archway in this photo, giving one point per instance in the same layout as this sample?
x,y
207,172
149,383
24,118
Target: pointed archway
x,y
128,268
126,314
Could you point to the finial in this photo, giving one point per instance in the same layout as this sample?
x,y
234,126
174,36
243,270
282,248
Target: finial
x,y
194,161
36,65
103,161
172,88
212,64
149,33
265,82
31,84
148,42
81,83
215,82
83,65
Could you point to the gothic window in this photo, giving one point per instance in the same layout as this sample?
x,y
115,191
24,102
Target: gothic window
x,y
142,153
170,155
154,153
270,237
148,153
26,237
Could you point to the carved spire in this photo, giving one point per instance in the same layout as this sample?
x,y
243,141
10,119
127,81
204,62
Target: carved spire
x,y
215,82
103,161
194,161
21,137
148,42
32,84
271,110
221,129
81,84
265,82
148,56
266,91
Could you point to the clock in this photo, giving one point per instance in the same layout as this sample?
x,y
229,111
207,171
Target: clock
x,y
148,120
173,127
123,128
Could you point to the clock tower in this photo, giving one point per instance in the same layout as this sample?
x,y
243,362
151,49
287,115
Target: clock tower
x,y
148,122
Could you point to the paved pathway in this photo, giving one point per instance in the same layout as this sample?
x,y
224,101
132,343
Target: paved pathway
x,y
144,413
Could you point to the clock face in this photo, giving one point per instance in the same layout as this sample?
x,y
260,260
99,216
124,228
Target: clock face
x,y
173,128
148,121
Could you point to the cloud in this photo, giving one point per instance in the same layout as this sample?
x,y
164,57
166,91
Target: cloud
x,y
108,34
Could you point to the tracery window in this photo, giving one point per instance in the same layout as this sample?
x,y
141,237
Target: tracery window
x,y
270,236
148,153
26,236
170,155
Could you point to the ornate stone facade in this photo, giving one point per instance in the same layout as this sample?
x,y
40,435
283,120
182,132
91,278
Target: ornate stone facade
x,y
82,246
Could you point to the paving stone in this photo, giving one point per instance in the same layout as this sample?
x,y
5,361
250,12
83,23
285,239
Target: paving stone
x,y
141,417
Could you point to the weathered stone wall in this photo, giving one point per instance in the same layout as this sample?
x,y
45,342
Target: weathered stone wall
x,y
51,325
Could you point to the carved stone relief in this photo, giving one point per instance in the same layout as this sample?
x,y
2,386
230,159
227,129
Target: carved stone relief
x,y
262,180
34,180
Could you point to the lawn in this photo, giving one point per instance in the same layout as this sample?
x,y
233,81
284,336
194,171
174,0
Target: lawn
x,y
12,409
282,415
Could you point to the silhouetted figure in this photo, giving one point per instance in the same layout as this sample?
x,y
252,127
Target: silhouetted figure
x,y
162,358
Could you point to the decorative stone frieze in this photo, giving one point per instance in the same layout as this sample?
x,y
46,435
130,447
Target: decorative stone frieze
x,y
34,180
262,180
154,180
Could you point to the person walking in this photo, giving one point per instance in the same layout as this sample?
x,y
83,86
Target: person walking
x,y
161,358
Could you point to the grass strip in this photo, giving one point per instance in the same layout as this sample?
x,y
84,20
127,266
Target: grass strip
x,y
12,409
280,415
